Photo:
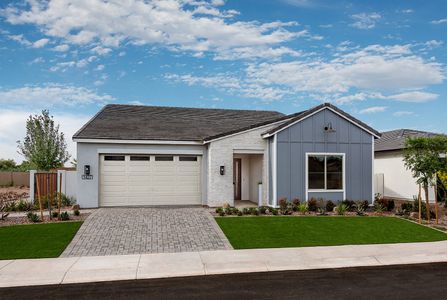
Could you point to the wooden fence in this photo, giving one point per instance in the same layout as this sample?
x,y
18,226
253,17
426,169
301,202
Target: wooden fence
x,y
14,178
45,184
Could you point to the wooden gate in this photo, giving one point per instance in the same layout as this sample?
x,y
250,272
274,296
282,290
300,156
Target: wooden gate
x,y
47,184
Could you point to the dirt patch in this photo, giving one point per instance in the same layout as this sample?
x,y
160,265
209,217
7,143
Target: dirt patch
x,y
16,189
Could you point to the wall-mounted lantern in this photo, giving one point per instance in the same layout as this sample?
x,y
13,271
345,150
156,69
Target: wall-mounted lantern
x,y
222,170
329,128
87,175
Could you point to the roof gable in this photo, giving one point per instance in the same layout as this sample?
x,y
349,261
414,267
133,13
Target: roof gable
x,y
303,115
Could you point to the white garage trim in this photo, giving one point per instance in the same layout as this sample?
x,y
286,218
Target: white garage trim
x,y
148,179
153,151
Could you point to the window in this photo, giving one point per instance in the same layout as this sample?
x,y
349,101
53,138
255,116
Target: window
x,y
187,158
140,158
114,157
164,158
325,172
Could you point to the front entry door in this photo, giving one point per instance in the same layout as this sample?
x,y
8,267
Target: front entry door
x,y
237,170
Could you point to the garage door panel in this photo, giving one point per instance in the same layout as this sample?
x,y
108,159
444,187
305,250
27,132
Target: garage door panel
x,y
150,182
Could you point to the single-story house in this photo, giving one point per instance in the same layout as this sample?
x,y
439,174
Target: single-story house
x,y
392,179
131,155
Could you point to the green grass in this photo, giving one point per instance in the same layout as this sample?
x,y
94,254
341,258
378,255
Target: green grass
x,y
36,240
276,232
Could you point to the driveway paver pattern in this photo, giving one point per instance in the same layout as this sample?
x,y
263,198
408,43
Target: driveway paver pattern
x,y
120,231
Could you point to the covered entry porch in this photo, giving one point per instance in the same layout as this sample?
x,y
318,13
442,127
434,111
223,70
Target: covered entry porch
x,y
247,179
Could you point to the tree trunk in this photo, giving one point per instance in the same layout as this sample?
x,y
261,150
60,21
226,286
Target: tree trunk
x,y
427,204
436,202
420,204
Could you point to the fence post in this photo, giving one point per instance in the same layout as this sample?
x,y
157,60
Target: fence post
x,y
31,185
61,182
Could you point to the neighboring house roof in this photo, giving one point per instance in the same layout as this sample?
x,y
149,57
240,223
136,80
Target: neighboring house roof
x,y
300,116
395,139
134,122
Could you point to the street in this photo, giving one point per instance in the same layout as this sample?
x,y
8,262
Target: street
x,y
390,282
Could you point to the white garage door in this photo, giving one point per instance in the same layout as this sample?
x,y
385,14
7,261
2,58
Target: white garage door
x,y
128,180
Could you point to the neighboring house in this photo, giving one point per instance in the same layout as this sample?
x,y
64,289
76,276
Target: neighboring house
x,y
392,179
146,155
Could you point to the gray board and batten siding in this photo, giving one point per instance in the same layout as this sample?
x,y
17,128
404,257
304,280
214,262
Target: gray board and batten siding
x,y
309,136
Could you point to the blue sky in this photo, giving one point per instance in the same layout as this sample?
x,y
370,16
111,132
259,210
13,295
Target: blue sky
x,y
382,61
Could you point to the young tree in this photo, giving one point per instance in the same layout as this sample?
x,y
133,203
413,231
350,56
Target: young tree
x,y
7,165
422,157
43,146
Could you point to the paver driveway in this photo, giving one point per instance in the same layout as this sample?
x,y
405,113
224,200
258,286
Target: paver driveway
x,y
117,231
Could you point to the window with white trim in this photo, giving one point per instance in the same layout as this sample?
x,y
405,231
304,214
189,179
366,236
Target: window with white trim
x,y
325,172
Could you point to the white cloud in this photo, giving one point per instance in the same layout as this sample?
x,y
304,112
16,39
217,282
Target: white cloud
x,y
414,97
440,21
373,110
61,48
19,38
51,95
40,43
99,68
365,20
138,22
326,26
37,60
101,50
63,66
381,72
403,113
12,129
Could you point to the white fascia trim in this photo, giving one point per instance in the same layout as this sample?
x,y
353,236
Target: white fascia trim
x,y
152,151
325,190
315,112
245,131
372,170
274,172
248,151
144,142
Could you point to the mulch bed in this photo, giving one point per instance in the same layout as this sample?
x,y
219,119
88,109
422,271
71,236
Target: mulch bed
x,y
13,220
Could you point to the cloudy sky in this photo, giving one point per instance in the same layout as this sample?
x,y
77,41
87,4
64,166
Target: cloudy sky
x,y
382,61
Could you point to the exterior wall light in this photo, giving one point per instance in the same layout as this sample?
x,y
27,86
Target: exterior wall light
x,y
222,170
329,128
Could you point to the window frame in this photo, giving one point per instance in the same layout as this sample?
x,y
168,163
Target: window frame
x,y
325,190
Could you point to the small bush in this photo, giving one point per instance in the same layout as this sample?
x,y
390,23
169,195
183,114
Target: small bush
x,y
54,214
423,210
379,208
262,209
330,206
221,213
23,205
350,205
274,211
65,216
219,210
33,217
283,203
245,211
406,207
387,204
239,213
342,208
76,212
254,211
360,208
235,211
296,202
303,208
312,204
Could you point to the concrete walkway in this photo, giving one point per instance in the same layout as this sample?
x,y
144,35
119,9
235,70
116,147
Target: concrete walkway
x,y
161,265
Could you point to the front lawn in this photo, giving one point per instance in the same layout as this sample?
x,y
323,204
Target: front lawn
x,y
276,232
37,240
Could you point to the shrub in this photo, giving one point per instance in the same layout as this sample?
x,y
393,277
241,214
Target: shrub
x,y
245,211
54,214
303,208
76,212
330,205
235,211
23,205
274,211
322,211
228,211
295,203
33,217
218,210
65,216
350,205
312,204
262,209
221,213
378,208
283,203
342,209
239,213
387,204
423,210
360,208
406,207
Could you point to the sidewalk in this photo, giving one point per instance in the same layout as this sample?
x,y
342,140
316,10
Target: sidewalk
x,y
145,266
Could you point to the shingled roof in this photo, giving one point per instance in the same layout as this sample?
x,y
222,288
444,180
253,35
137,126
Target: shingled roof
x,y
395,139
134,122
